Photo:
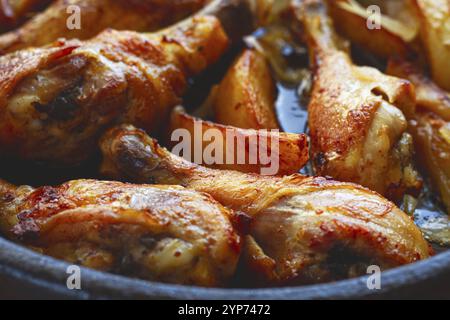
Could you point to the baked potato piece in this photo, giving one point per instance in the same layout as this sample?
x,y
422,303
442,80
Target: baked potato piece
x,y
432,138
430,126
292,153
428,94
392,39
434,16
246,96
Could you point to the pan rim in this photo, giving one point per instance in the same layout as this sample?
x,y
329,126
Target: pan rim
x,y
44,272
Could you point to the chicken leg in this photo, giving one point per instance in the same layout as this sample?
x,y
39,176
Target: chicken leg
x,y
163,233
94,17
56,101
302,229
357,115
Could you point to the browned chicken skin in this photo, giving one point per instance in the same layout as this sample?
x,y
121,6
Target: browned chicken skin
x,y
357,115
303,229
164,233
56,101
96,16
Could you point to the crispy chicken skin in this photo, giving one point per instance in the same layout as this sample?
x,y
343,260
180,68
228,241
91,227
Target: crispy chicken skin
x,y
164,233
96,16
430,126
302,229
357,115
14,12
56,101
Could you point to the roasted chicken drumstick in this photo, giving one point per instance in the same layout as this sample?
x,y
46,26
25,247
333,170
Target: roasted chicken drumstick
x,y
55,101
94,17
357,115
164,233
303,229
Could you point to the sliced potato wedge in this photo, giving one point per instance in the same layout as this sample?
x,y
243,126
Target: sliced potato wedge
x,y
429,95
434,17
246,96
432,138
292,153
392,39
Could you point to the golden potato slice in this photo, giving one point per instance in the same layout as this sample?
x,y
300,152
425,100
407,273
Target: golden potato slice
x,y
392,39
429,95
432,137
289,152
434,17
246,96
